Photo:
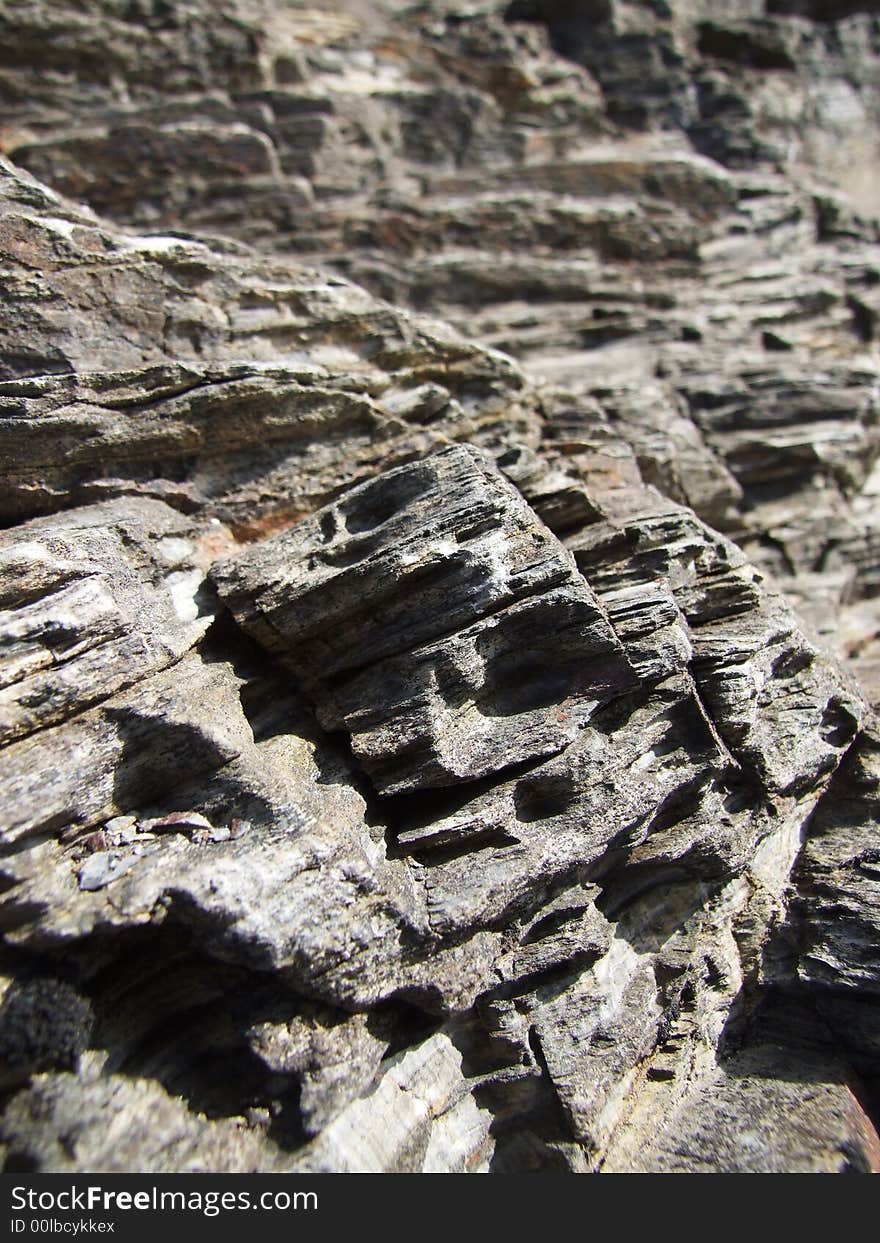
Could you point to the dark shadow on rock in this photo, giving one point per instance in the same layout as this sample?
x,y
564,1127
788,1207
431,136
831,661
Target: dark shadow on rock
x,y
158,754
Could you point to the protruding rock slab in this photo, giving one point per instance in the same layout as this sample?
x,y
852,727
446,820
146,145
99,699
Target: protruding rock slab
x,y
66,1123
432,615
835,912
91,603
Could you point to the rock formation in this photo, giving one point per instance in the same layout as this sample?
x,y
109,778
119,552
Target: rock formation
x,y
440,586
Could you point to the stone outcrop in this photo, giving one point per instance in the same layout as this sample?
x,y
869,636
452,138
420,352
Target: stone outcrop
x,y
439,591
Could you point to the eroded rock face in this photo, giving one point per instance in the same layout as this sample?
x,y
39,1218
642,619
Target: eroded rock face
x,y
436,620
416,756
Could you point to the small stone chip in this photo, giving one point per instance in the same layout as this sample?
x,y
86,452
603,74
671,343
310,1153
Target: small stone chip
x,y
120,824
178,820
103,867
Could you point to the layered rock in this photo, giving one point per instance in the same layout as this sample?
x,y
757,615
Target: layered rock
x,y
397,770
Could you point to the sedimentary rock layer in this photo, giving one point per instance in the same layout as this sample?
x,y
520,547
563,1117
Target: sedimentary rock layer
x,y
439,744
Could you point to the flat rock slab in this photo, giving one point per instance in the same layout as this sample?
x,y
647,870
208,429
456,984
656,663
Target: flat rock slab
x,y
762,1112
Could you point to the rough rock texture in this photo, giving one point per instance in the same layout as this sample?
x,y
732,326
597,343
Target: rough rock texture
x,y
439,744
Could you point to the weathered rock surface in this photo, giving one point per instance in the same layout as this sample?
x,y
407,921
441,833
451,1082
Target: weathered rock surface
x,y
413,755
433,617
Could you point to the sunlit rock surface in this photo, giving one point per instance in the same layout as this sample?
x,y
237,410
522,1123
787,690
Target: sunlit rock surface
x,y
439,586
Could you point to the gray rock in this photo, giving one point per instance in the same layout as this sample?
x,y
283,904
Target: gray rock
x,y
396,770
91,605
432,616
730,1122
